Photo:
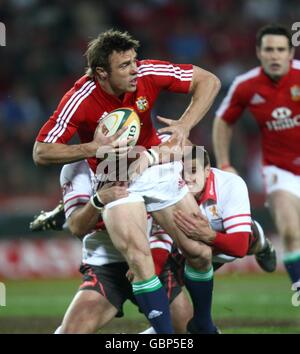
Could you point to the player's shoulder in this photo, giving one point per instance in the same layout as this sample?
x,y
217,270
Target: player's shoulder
x,y
153,66
84,82
81,89
227,180
247,78
295,65
148,67
152,62
72,170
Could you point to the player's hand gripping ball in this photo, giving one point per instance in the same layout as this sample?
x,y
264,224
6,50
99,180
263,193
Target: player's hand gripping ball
x,y
122,117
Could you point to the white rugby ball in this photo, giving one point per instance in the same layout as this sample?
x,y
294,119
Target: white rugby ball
x,y
119,118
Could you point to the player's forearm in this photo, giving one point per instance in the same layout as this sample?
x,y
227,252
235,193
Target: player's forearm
x,y
234,244
205,86
222,133
48,153
83,220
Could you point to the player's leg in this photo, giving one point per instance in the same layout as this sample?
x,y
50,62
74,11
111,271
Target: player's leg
x,y
164,217
49,220
261,247
88,312
127,227
198,271
180,306
181,312
285,210
101,296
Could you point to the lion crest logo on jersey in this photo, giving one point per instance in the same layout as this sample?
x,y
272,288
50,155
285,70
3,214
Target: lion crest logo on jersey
x,y
214,211
295,93
142,104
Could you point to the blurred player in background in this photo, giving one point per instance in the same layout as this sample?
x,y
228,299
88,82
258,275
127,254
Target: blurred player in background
x,y
272,94
115,78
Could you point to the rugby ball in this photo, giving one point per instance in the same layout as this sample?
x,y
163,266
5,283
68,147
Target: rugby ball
x,y
119,118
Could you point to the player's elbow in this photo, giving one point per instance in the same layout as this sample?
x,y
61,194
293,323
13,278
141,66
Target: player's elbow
x,y
205,80
215,82
39,154
76,229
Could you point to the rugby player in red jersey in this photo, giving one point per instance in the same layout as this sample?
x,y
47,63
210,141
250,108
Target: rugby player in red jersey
x,y
271,92
114,79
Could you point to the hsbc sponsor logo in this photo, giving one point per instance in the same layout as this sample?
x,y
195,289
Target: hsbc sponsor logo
x,y
281,113
283,119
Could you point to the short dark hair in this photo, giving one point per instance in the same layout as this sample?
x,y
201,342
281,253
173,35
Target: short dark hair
x,y
276,29
100,48
194,154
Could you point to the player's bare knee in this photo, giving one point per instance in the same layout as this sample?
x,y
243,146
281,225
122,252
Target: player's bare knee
x,y
203,260
140,261
136,255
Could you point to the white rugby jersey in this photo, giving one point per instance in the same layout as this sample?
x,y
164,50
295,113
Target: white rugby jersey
x,y
78,184
225,202
158,238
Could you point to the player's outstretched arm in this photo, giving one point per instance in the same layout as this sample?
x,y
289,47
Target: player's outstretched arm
x,y
222,133
85,218
204,88
53,153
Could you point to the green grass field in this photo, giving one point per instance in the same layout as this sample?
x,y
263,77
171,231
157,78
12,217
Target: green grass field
x,y
257,303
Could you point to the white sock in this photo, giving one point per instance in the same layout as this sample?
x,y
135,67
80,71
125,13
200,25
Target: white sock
x,y
57,331
261,235
150,330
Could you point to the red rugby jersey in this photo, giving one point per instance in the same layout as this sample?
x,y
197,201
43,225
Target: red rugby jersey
x,y
86,103
276,108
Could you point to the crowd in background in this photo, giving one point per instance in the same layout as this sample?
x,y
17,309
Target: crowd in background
x,y
45,42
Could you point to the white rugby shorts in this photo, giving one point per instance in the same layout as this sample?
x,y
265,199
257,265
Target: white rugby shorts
x,y
158,187
276,179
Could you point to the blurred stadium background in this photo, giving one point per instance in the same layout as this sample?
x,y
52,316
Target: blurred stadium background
x,y
43,56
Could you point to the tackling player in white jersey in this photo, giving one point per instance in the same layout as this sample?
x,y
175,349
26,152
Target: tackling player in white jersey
x,y
223,200
223,225
223,228
105,286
